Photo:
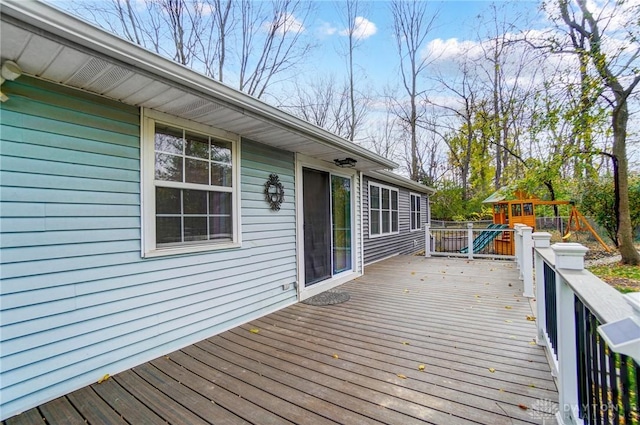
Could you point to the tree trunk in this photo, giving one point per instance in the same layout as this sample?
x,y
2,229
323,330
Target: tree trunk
x,y
628,251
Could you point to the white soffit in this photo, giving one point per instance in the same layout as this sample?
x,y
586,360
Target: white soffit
x,y
82,56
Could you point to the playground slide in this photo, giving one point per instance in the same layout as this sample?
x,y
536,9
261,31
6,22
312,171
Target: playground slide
x,y
484,238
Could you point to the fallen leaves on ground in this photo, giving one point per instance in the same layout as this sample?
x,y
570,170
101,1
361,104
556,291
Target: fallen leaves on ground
x,y
508,307
509,321
406,290
254,330
523,407
405,343
421,368
492,370
531,318
401,376
103,379
335,356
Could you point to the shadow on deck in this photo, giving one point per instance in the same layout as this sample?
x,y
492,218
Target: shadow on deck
x,y
352,363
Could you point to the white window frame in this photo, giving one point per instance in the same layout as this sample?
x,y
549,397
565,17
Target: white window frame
x,y
148,119
391,189
413,213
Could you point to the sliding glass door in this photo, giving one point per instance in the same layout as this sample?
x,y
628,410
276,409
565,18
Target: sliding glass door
x,y
341,220
327,204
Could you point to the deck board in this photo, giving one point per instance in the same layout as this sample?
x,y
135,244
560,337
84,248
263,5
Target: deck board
x,y
465,321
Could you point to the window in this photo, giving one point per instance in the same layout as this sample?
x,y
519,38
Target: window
x,y
516,210
527,208
383,210
189,186
416,219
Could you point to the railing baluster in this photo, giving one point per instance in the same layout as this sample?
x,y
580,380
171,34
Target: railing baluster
x,y
583,394
596,401
613,384
624,382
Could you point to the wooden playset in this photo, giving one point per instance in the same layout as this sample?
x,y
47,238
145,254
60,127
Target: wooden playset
x,y
521,209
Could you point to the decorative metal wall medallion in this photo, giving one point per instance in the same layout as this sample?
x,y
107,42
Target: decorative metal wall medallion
x,y
274,192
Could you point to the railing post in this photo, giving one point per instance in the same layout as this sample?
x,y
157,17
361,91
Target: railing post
x,y
527,262
427,240
568,256
540,240
517,240
470,240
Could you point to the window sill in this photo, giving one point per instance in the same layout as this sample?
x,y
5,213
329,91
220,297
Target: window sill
x,y
194,249
415,230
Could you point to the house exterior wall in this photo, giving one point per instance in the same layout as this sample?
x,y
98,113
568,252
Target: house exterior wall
x,y
405,241
77,299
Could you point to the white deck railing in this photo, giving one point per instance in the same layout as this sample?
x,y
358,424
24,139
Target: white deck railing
x,y
473,243
595,384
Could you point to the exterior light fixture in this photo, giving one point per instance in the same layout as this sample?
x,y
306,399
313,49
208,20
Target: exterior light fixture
x,y
345,163
9,71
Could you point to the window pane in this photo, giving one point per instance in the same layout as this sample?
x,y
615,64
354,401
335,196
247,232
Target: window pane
x,y
385,199
221,151
168,167
374,194
220,228
168,230
196,171
413,221
386,228
394,200
167,200
374,217
341,219
418,203
394,221
197,145
168,139
418,221
195,202
516,210
219,203
528,209
195,229
221,175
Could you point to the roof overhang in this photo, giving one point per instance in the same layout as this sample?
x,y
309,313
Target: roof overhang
x,y
389,177
50,44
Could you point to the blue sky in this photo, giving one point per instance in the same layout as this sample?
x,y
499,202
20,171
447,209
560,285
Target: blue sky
x,y
377,55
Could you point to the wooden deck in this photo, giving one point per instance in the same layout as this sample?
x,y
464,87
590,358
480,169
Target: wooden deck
x,y
352,363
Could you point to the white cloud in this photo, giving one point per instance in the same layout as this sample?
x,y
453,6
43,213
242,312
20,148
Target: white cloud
x,y
287,23
452,49
326,29
363,28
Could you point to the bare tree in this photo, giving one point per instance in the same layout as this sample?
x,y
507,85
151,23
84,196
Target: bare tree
x,y
265,55
351,12
323,102
411,26
465,92
252,44
618,72
383,132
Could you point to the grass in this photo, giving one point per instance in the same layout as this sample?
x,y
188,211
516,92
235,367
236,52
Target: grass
x,y
624,278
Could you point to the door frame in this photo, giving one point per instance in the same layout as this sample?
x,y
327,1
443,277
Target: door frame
x,y
303,161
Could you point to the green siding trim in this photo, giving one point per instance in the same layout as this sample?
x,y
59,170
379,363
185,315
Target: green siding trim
x,y
78,300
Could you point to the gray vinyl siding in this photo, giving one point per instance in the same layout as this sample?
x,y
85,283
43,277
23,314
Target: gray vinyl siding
x,y
405,241
77,300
